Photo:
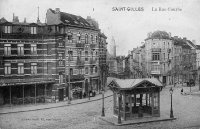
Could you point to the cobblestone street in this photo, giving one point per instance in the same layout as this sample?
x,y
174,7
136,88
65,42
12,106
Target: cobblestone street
x,y
86,116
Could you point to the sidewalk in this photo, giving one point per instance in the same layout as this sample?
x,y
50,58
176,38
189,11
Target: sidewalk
x,y
114,120
34,107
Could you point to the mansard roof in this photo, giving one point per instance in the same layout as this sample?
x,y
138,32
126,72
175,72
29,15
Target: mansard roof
x,y
181,42
159,35
74,20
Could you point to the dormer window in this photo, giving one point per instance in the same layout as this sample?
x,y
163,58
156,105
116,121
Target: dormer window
x,y
33,30
7,29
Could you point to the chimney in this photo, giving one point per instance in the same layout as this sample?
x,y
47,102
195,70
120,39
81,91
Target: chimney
x,y
57,10
194,42
13,17
89,17
38,19
176,37
184,38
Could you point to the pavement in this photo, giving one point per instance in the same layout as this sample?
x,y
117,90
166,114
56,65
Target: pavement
x,y
85,114
113,120
34,107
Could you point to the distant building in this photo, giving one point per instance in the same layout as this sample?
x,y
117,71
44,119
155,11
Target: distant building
x,y
113,48
135,63
170,59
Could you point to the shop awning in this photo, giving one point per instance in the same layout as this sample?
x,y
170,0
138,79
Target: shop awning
x,y
13,82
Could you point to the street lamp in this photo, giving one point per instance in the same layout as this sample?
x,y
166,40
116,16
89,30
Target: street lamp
x,y
69,90
119,107
103,109
171,110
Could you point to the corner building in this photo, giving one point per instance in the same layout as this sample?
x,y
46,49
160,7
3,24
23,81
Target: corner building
x,y
81,42
38,61
158,56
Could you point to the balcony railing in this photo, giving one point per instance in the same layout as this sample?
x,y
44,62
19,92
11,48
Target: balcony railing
x,y
92,46
92,61
80,62
80,45
78,77
156,49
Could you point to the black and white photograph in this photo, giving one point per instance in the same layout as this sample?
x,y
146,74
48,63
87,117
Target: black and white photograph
x,y
99,64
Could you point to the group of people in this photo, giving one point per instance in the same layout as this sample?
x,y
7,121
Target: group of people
x,y
81,94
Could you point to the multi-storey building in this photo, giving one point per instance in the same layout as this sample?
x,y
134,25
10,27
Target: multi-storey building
x,y
49,62
135,65
26,62
103,61
184,60
82,52
158,50
170,59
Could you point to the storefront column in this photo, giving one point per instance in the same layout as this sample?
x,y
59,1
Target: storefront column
x,y
45,92
114,102
83,86
130,101
135,100
23,94
35,93
152,103
159,103
146,99
124,106
10,95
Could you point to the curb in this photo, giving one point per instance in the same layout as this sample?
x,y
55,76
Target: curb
x,y
142,122
66,105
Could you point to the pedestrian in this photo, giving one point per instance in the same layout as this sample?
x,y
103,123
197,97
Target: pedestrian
x,y
182,91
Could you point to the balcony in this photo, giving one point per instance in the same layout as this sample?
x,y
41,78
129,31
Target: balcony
x,y
80,63
9,82
92,61
80,45
155,72
78,77
156,49
92,46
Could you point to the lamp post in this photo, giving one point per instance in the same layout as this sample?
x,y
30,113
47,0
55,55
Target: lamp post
x,y
69,90
103,109
171,110
119,107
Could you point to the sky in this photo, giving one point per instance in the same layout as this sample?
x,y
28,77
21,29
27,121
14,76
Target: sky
x,y
128,28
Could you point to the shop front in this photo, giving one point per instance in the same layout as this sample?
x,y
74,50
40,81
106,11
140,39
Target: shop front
x,y
77,88
25,92
134,98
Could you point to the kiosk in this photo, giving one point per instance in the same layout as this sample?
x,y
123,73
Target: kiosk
x,y
136,97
